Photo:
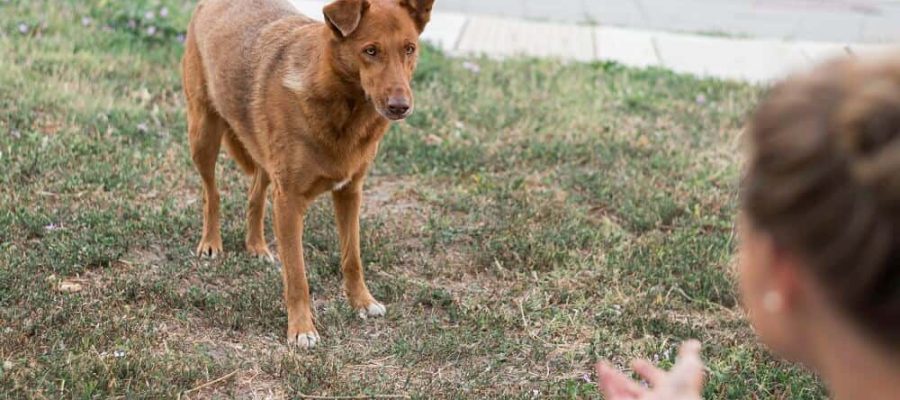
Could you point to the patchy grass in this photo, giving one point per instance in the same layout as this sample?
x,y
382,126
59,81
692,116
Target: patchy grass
x,y
528,220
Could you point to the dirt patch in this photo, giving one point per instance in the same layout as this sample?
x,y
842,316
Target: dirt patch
x,y
395,197
249,380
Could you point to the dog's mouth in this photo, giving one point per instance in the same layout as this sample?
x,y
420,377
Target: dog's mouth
x,y
395,116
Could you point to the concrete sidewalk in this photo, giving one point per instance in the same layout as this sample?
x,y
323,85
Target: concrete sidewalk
x,y
858,21
743,59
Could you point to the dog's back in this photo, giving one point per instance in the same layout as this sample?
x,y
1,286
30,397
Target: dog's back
x,y
223,51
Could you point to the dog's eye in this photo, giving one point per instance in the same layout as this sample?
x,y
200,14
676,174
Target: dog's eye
x,y
371,51
410,49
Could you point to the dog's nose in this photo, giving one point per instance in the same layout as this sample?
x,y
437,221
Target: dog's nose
x,y
398,106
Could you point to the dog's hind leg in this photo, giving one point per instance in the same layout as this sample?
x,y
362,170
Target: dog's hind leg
x,y
256,212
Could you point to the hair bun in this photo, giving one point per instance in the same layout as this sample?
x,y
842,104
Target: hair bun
x,y
869,132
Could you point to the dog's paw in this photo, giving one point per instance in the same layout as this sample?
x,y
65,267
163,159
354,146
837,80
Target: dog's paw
x,y
305,340
209,249
375,309
261,253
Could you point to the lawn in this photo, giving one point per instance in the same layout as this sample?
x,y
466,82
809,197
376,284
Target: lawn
x,y
531,218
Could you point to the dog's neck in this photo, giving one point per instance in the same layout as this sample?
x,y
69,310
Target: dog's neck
x,y
336,91
344,84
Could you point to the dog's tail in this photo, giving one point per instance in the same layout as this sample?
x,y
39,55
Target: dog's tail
x,y
239,153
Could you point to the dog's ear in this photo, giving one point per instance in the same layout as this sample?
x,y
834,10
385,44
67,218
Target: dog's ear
x,y
420,11
343,16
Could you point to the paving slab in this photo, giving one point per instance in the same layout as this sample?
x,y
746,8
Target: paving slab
x,y
445,29
817,52
627,47
567,10
614,13
502,37
874,50
744,60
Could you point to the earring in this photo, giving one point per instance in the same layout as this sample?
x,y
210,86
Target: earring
x,y
773,302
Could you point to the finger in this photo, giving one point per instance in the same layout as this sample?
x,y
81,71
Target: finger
x,y
689,369
654,376
689,357
690,348
614,382
615,385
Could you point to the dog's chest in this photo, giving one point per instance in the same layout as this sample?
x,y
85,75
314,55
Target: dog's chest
x,y
353,152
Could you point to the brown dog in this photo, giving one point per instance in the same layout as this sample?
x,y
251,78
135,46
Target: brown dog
x,y
301,105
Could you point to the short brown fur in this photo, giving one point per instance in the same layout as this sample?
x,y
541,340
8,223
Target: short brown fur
x,y
300,105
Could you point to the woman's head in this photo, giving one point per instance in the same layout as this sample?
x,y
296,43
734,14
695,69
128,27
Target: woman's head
x,y
821,204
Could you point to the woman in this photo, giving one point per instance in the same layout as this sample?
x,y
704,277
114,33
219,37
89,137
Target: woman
x,y
820,236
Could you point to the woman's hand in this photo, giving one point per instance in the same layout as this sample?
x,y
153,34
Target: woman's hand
x,y
683,382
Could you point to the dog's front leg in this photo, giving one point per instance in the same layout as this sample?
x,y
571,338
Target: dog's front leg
x,y
347,201
290,210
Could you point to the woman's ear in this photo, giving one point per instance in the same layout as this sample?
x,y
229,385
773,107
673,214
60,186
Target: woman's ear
x,y
420,10
343,16
786,278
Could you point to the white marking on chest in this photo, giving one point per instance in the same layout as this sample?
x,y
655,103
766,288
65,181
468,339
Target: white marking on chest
x,y
340,185
294,80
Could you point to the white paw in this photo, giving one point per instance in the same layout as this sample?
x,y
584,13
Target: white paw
x,y
267,257
375,309
306,340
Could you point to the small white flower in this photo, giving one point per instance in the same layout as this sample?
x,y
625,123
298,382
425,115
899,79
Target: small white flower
x,y
164,12
86,21
149,16
701,99
119,353
151,30
23,28
472,67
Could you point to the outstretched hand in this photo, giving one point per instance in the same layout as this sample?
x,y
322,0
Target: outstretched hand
x,y
683,382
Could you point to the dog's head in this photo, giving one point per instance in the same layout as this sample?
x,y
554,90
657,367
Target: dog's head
x,y
378,41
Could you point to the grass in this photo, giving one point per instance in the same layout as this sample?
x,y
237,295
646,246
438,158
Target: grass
x,y
528,220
